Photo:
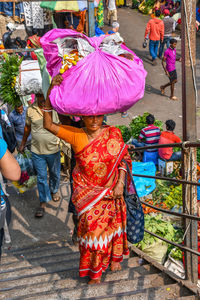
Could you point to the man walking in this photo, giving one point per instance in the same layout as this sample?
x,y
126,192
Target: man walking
x,y
17,118
169,25
45,153
155,30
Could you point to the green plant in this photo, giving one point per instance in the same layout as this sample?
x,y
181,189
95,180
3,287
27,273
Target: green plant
x,y
126,132
9,69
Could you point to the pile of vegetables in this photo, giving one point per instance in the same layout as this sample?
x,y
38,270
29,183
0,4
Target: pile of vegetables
x,y
148,210
164,229
146,6
166,193
9,69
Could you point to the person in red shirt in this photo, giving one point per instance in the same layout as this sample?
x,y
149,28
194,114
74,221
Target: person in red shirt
x,y
168,137
155,30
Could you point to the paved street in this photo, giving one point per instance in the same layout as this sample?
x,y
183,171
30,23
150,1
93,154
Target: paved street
x,y
56,224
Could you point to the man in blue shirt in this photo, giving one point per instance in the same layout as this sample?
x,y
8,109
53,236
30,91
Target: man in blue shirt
x,y
5,118
17,118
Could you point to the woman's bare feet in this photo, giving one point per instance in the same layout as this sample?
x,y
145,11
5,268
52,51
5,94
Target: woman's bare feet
x,y
115,266
162,90
95,281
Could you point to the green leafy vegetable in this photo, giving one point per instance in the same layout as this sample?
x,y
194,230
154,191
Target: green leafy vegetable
x,y
9,69
126,132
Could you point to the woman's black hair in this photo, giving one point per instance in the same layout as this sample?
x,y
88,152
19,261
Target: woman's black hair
x,y
170,124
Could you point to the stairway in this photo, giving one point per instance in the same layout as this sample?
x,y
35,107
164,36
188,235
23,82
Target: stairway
x,y
50,271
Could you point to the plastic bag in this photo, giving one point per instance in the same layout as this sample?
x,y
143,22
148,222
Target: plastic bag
x,y
29,80
144,186
175,266
100,83
28,179
157,251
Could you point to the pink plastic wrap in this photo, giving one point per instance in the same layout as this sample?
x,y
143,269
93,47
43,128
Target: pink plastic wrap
x,y
100,83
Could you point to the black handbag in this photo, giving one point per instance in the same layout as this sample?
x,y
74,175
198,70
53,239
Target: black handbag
x,y
134,211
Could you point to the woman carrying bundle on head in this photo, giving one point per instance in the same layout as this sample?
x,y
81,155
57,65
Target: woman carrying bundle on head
x,y
98,185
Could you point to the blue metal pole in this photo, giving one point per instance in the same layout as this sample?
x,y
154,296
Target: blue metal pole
x,y
91,20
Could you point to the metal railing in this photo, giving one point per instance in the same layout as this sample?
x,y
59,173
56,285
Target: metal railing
x,y
184,215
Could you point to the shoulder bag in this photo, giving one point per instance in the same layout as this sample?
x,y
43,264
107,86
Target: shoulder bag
x,y
135,214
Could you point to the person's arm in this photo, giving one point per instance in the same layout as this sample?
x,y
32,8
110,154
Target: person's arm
x,y
119,187
48,121
164,66
147,30
141,136
9,167
27,131
162,30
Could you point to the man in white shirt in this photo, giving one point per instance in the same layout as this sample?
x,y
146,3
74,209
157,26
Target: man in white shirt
x,y
112,11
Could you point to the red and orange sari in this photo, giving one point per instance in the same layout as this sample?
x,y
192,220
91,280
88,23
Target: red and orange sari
x,y
102,219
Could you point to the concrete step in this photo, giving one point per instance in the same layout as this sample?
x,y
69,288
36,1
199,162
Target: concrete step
x,y
54,270
25,262
36,252
140,288
70,279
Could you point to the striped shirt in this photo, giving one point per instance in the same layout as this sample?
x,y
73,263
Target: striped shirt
x,y
151,135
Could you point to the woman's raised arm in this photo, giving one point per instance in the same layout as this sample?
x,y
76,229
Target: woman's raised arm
x,y
48,122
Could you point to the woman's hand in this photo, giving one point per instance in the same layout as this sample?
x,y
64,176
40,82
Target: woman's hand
x,y
57,80
118,190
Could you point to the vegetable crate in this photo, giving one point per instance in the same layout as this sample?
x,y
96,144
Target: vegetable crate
x,y
165,167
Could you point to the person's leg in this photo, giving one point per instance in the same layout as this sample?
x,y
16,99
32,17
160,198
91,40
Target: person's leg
x,y
137,144
161,48
53,162
40,165
108,17
156,45
151,49
168,42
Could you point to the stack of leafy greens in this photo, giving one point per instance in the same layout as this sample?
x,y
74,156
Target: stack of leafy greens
x,y
9,69
164,229
126,132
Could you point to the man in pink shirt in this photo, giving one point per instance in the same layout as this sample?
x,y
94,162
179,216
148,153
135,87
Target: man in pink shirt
x,y
170,68
155,30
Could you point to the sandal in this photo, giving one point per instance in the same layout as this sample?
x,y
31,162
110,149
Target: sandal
x,y
174,98
39,212
55,196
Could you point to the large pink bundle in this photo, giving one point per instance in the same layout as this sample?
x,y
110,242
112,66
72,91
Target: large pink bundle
x,y
100,83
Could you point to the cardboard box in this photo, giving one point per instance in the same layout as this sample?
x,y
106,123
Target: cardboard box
x,y
165,167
